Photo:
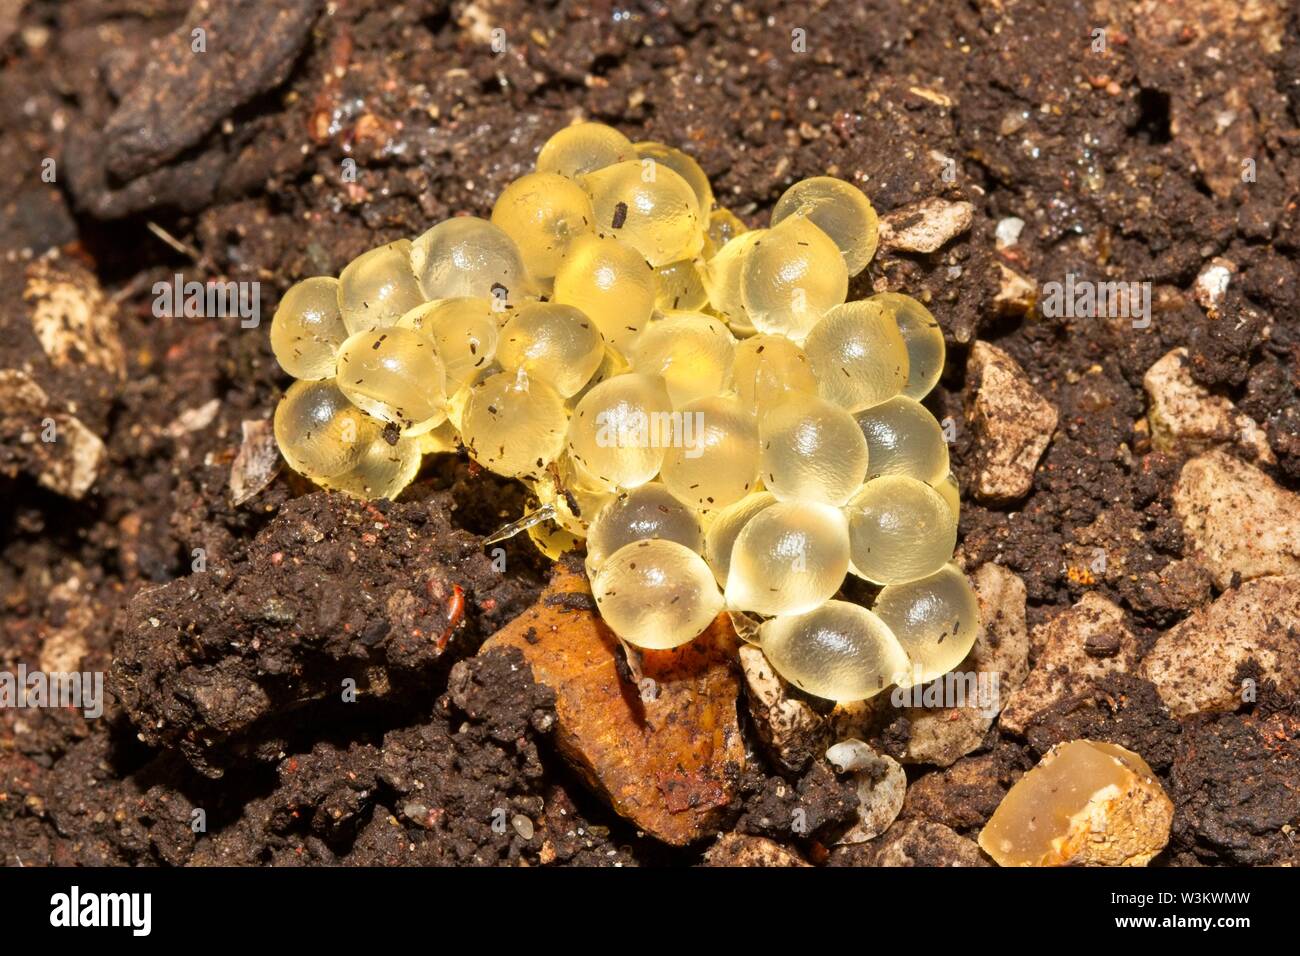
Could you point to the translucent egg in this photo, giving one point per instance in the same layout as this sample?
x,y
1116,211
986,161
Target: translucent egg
x,y
469,257
649,207
619,431
950,492
811,450
935,618
679,286
839,651
900,530
839,209
723,226
656,594
320,432
440,440
858,354
789,558
465,333
382,472
514,425
693,352
553,540
583,148
683,165
713,460
903,438
649,511
923,337
611,283
722,532
766,368
722,276
395,375
542,213
378,287
791,277
552,342
576,500
308,328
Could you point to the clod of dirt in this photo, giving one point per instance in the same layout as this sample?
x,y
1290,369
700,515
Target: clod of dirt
x,y
1186,419
668,753
942,734
1078,646
791,730
737,849
334,597
1239,523
1011,421
1244,645
964,796
1086,803
913,843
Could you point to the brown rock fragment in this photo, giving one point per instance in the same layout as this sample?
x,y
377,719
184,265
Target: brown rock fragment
x,y
1197,666
926,226
1077,647
1086,803
1186,418
1236,519
738,849
790,729
922,843
667,758
1012,422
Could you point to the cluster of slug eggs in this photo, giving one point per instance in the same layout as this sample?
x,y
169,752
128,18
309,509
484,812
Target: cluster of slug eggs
x,y
694,399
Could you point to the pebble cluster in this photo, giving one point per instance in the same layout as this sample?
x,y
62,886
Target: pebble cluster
x,y
694,400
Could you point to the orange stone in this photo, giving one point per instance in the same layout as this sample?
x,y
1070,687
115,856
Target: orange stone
x,y
668,753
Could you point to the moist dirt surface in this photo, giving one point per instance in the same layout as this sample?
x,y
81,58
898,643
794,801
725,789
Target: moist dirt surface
x,y
307,133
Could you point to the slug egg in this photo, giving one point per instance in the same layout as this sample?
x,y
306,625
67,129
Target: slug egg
x,y
542,213
656,594
811,450
722,276
838,651
858,354
649,207
923,338
619,430
378,287
899,529
766,368
684,166
552,342
726,526
840,210
644,513
950,492
468,257
320,433
723,226
382,471
465,334
935,618
583,148
713,458
693,352
790,277
680,286
514,425
611,283
789,558
395,375
308,328
904,439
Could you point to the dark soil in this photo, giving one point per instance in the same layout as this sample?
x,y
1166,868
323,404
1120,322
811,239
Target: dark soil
x,y
234,165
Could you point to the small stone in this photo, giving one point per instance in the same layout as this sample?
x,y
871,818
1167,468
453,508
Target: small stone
x,y
1013,424
257,462
1202,665
1068,658
925,226
881,787
1016,295
789,728
69,461
1236,520
922,843
738,849
1007,232
1187,419
523,826
1086,803
1212,283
